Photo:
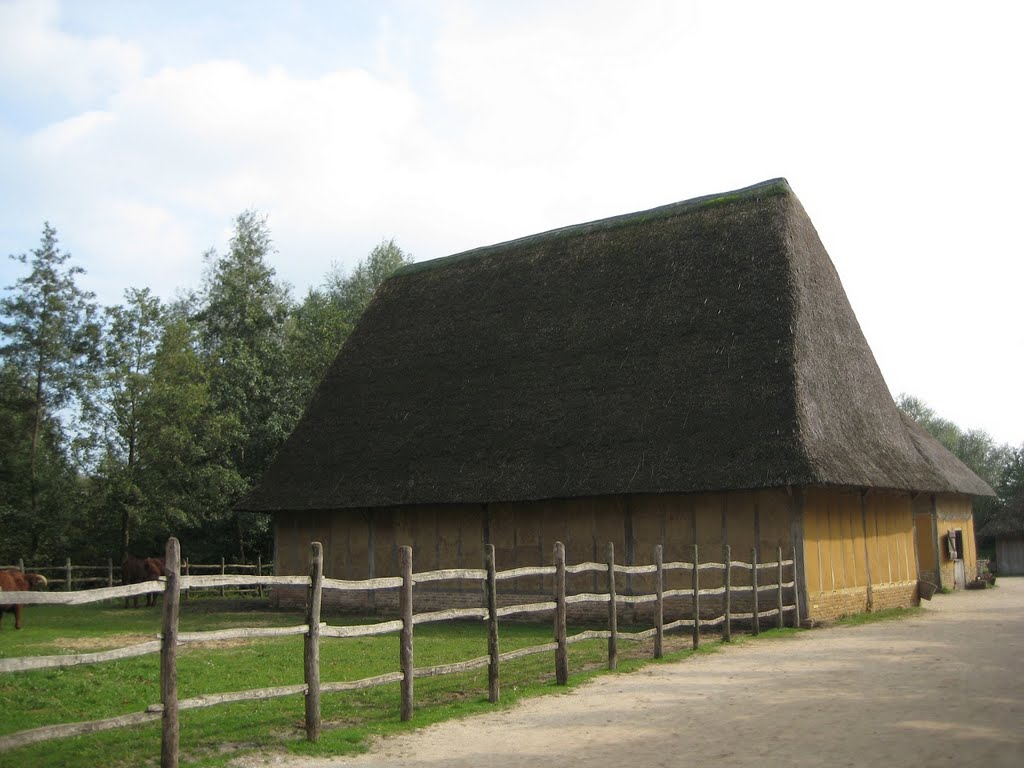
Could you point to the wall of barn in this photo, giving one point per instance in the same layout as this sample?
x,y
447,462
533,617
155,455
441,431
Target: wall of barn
x,y
364,543
848,536
927,539
954,512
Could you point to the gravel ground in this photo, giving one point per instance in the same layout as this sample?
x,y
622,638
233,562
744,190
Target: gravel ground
x,y
943,688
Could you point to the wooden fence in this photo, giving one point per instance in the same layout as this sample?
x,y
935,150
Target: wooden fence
x,y
71,576
175,583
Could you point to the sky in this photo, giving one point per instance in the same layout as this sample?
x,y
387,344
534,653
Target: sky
x,y
140,130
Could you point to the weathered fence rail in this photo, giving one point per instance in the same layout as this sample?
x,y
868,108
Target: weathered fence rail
x,y
178,582
69,576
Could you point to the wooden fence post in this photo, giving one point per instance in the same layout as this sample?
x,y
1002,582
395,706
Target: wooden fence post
x,y
259,572
756,621
659,609
222,572
491,587
727,621
312,644
779,621
562,651
168,656
110,572
21,564
406,649
696,598
67,575
796,593
187,573
613,611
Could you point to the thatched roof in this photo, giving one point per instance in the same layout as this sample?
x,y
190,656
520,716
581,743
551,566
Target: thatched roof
x,y
1007,521
705,345
958,477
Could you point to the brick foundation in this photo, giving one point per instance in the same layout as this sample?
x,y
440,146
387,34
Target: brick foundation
x,y
828,606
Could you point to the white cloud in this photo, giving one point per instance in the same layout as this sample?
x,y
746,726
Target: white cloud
x,y
41,63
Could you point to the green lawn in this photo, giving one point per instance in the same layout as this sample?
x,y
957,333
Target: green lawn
x,y
213,736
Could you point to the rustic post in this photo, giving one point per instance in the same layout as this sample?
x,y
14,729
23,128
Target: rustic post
x,y
796,593
110,572
562,651
659,607
756,621
778,622
696,599
168,656
223,570
613,611
491,590
187,574
21,564
312,644
727,621
259,572
67,575
405,650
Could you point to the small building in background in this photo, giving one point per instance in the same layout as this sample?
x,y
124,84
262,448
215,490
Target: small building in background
x,y
1006,531
691,374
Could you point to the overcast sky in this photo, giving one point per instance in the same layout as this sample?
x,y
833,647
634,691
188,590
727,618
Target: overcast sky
x,y
141,129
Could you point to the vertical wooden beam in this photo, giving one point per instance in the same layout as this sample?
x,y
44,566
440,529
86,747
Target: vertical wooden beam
x,y
110,572
870,596
312,644
223,570
613,612
727,622
935,544
406,649
259,572
659,608
491,587
187,573
756,621
67,575
800,577
168,656
562,651
796,593
696,598
781,616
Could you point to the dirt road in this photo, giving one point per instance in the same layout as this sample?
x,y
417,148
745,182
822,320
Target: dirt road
x,y
944,688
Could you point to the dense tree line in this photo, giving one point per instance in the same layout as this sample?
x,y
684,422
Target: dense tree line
x,y
124,424
999,465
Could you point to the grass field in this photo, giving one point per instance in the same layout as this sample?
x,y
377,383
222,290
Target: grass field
x,y
214,736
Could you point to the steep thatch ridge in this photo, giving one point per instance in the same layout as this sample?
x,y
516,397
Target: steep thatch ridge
x,y
706,345
957,476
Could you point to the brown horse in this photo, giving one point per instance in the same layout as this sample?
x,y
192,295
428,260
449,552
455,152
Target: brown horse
x,y
13,580
135,570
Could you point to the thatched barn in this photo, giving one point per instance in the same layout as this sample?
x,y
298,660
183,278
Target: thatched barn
x,y
1006,531
688,374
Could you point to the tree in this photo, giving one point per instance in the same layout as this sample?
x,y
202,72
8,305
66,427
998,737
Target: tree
x,y
242,324
51,340
354,292
129,351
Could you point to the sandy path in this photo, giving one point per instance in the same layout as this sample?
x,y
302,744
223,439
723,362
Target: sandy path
x,y
944,688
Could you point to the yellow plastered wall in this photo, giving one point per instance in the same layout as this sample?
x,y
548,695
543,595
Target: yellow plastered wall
x,y
524,533
954,511
843,543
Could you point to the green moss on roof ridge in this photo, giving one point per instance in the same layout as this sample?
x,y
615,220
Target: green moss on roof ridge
x,y
769,188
